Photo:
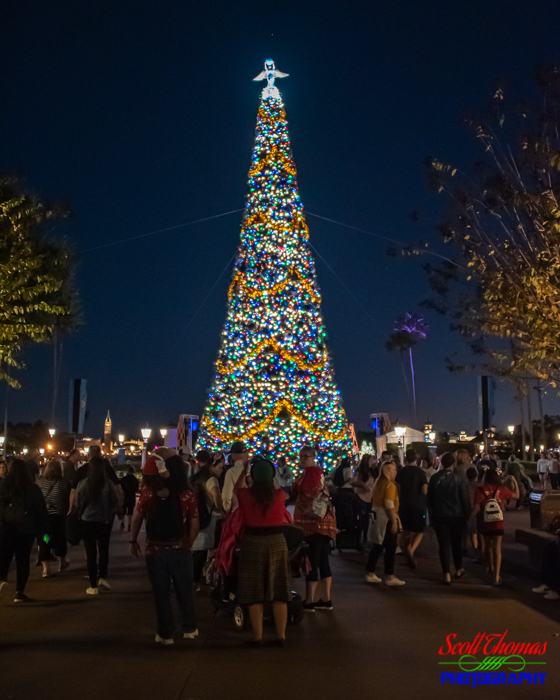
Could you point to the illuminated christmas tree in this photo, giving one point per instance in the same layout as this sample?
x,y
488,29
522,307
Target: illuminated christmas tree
x,y
274,386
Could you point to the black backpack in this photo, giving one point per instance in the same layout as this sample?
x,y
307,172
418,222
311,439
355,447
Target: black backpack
x,y
12,510
204,514
165,523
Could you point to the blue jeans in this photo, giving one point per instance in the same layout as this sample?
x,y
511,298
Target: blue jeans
x,y
166,566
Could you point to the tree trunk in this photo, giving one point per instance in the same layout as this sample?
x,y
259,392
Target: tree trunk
x,y
539,394
530,419
404,375
523,439
413,388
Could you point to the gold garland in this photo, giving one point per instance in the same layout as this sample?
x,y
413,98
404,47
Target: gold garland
x,y
225,437
301,364
283,163
278,287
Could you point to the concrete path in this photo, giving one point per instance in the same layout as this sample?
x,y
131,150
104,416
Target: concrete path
x,y
378,642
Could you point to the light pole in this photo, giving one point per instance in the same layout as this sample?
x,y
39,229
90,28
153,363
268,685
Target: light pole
x,y
400,430
146,432
511,429
2,439
163,432
121,438
432,436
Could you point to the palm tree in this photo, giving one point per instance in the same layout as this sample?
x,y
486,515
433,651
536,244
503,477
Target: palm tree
x,y
410,329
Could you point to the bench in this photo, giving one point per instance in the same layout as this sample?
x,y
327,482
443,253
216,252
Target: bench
x,y
535,540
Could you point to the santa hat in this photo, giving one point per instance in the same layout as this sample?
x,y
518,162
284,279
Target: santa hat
x,y
154,465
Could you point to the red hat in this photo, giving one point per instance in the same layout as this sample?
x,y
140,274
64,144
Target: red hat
x,y
154,465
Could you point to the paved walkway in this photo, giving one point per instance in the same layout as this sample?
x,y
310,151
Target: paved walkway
x,y
378,642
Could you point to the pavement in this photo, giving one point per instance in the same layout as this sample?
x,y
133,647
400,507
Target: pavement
x,y
378,641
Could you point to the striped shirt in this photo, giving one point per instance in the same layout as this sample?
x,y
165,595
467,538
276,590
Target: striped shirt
x,y
56,495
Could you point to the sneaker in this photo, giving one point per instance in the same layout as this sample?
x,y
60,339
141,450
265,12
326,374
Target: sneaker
x,y
3,585
103,583
190,635
92,591
309,607
324,605
372,578
393,581
552,595
21,598
543,588
165,642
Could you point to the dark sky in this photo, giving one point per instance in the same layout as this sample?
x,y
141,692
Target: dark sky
x,y
141,115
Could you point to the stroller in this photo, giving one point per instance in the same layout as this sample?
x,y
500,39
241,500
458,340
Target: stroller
x,y
223,595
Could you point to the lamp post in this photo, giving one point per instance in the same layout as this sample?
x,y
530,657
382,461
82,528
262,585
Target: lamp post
x,y
163,432
400,431
511,429
2,439
146,432
52,431
432,436
121,438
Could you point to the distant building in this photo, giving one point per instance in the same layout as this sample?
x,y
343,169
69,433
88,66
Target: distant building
x,y
107,441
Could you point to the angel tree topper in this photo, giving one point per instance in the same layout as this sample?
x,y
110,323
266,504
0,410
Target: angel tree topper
x,y
269,73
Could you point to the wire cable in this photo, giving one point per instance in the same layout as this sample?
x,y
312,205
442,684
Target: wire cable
x,y
162,230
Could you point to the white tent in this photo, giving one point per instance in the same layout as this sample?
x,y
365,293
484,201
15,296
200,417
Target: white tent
x,y
409,436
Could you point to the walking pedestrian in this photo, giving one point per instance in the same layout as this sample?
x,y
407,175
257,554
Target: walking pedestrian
x,y
412,504
363,487
56,492
542,470
23,517
129,485
97,499
314,514
554,472
264,576
489,506
449,508
171,517
238,459
209,499
385,525
33,464
463,462
69,467
284,475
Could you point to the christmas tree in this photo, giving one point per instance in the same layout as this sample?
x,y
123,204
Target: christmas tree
x,y
274,386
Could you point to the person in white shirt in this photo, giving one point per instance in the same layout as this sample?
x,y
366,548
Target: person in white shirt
x,y
239,458
542,469
554,472
284,474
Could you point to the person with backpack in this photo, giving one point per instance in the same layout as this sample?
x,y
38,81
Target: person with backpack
x,y
489,506
23,517
206,488
97,501
171,514
314,514
56,492
448,505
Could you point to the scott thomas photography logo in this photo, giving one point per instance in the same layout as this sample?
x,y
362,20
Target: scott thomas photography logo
x,y
491,659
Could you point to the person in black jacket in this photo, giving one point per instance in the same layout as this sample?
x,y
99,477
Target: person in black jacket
x,y
23,517
448,504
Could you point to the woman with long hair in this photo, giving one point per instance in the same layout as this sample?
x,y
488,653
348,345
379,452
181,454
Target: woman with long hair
x,y
56,492
264,575
489,505
97,501
384,528
448,504
23,517
363,487
206,487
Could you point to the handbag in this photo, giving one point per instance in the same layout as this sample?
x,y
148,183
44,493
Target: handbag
x,y
319,505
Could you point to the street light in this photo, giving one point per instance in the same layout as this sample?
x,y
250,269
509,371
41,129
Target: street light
x,y
163,432
2,439
432,436
52,431
146,432
511,429
121,438
400,430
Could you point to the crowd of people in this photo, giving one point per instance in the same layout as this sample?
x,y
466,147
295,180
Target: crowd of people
x,y
190,505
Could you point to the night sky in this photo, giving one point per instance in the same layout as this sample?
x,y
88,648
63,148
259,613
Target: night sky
x,y
141,115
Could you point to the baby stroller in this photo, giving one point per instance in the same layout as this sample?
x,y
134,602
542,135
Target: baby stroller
x,y
223,595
